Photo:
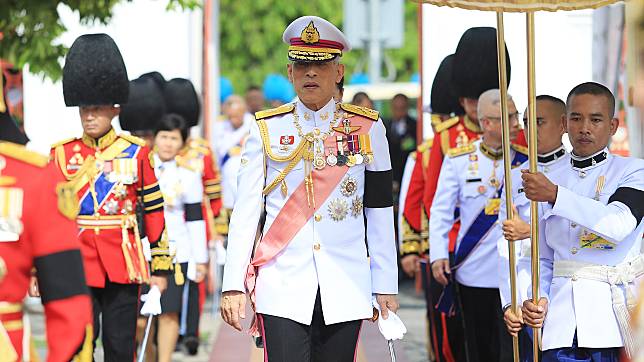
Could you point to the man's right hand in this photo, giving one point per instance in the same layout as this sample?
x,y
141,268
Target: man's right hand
x,y
233,307
440,267
410,264
513,322
534,314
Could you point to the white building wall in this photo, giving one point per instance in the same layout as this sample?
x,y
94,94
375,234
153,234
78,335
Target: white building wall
x,y
149,37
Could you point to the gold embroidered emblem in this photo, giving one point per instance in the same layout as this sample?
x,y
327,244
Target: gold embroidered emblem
x,y
68,204
338,209
310,34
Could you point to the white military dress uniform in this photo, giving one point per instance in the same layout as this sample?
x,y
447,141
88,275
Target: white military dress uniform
x,y
182,189
469,178
329,251
588,231
546,164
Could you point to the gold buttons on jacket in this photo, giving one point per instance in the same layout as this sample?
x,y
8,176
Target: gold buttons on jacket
x,y
318,217
573,225
316,246
574,250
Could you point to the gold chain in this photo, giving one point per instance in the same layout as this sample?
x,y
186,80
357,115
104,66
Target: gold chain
x,y
320,136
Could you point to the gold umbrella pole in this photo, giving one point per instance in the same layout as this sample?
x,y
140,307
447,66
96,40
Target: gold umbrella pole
x,y
532,153
503,86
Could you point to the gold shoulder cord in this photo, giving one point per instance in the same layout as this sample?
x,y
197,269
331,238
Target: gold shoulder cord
x,y
294,157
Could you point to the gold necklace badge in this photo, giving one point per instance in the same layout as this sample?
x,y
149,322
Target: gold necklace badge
x,y
310,34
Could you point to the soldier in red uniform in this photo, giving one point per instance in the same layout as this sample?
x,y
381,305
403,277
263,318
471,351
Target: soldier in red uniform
x,y
35,235
182,99
114,180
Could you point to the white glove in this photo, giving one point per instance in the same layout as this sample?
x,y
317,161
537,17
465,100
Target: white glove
x,y
391,328
152,302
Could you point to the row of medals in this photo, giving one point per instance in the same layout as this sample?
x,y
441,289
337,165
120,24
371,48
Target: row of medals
x,y
338,158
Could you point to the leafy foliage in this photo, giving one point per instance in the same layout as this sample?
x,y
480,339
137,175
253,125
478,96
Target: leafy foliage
x,y
251,38
29,29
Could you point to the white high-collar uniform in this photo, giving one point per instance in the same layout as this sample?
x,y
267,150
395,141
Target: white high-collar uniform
x,y
556,159
324,253
578,304
471,190
182,194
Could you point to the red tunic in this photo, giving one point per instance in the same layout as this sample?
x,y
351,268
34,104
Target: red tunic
x,y
46,240
111,176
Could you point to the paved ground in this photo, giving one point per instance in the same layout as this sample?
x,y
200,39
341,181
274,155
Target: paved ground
x,y
220,343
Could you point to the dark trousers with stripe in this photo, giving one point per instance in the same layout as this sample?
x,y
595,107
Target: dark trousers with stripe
x,y
487,337
116,308
446,333
288,341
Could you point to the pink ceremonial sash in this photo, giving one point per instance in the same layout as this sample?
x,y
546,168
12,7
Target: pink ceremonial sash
x,y
295,214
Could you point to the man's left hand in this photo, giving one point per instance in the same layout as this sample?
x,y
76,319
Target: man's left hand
x,y
387,302
160,281
537,187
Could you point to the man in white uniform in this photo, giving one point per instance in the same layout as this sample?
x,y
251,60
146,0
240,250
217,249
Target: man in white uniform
x,y
472,177
322,171
590,238
551,113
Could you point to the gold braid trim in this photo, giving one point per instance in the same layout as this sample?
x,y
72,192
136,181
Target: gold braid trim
x,y
444,141
263,132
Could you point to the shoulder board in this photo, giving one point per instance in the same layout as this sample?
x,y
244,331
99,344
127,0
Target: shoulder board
x,y
133,139
446,124
413,156
519,148
459,151
361,111
20,153
286,108
65,141
426,145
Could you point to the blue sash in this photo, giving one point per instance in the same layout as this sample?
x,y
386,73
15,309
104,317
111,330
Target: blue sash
x,y
102,186
479,227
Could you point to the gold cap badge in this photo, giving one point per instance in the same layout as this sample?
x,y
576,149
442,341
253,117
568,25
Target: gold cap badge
x,y
310,34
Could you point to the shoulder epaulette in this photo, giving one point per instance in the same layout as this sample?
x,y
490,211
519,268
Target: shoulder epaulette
x,y
65,141
201,141
413,156
20,153
427,144
519,148
459,151
133,139
286,108
446,124
361,111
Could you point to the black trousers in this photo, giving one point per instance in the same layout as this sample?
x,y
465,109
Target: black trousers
x,y
288,341
487,338
116,306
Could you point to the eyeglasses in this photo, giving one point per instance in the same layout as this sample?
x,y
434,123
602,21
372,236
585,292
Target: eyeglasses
x,y
513,117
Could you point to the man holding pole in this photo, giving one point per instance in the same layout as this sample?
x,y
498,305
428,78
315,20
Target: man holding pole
x,y
552,156
472,177
590,238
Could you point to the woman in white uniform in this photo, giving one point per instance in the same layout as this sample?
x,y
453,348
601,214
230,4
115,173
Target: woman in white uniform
x,y
182,192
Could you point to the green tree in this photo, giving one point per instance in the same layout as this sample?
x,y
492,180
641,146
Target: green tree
x,y
29,29
251,38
